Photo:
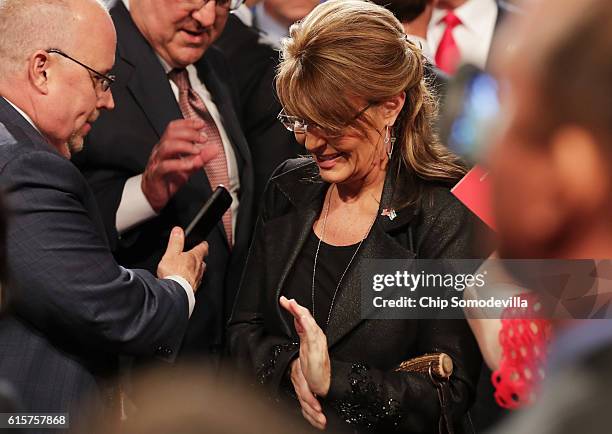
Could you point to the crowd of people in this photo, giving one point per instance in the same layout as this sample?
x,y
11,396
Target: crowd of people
x,y
119,119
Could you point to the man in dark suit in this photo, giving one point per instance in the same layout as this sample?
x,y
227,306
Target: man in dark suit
x,y
71,310
141,160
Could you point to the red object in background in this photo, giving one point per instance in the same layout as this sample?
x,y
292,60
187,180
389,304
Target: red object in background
x,y
524,341
474,191
447,54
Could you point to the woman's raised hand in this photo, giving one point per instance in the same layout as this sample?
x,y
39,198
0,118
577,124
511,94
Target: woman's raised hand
x,y
314,355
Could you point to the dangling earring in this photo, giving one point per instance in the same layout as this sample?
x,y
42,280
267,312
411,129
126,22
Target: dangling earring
x,y
389,141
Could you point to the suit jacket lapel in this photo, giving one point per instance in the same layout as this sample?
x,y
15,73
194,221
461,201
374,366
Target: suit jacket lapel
x,y
148,82
8,113
296,227
346,312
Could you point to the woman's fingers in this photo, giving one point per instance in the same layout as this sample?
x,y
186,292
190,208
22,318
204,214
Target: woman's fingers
x,y
318,422
301,388
309,325
311,408
303,320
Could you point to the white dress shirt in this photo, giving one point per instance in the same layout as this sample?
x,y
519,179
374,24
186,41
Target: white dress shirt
x,y
244,14
473,35
134,207
178,279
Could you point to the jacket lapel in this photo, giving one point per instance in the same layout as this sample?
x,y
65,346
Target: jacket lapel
x,y
389,238
346,312
296,228
147,82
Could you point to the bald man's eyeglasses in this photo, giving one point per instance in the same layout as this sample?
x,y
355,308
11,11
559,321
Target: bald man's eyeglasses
x,y
104,80
232,5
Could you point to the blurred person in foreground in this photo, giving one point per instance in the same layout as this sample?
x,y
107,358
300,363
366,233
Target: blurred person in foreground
x,y
197,400
376,186
71,310
553,188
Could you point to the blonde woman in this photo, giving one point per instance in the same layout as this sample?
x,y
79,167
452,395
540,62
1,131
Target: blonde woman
x,y
376,186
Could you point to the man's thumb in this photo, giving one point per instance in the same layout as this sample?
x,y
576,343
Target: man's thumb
x,y
176,243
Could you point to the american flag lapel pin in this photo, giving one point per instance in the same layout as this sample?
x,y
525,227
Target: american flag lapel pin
x,y
389,212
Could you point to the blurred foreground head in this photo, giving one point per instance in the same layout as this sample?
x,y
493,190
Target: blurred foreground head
x,y
552,161
195,400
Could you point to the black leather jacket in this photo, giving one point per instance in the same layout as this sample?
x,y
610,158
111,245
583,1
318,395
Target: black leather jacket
x,y
365,390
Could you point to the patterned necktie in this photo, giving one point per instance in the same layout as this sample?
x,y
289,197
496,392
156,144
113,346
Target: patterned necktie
x,y
447,56
193,107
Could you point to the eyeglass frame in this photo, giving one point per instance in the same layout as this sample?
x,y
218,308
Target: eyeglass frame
x,y
282,116
106,80
229,2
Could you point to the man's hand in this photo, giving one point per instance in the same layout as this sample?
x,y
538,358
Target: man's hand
x,y
311,408
314,354
180,152
189,265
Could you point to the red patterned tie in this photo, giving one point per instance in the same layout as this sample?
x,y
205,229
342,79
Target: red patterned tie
x,y
193,107
447,56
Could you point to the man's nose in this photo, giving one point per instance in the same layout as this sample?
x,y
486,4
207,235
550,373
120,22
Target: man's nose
x,y
106,100
207,14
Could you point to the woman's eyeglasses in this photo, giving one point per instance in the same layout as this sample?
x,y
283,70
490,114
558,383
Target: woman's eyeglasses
x,y
301,126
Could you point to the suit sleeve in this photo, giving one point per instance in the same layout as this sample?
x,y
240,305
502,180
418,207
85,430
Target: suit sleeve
x,y
65,280
257,352
390,401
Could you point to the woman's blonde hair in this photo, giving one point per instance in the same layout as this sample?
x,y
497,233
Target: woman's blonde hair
x,y
348,49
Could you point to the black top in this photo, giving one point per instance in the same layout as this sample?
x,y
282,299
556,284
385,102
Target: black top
x,y
331,264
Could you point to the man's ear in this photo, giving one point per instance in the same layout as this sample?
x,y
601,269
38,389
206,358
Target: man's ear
x,y
392,108
581,169
38,71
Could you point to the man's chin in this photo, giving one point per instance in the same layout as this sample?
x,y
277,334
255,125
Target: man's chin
x,y
74,145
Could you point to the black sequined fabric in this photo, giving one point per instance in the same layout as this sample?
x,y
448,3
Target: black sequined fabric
x,y
365,404
267,369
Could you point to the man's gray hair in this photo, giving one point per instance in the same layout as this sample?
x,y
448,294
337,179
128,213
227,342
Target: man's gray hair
x,y
30,25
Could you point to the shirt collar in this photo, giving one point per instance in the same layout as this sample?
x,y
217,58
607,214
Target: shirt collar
x,y
167,68
274,30
24,115
244,14
474,14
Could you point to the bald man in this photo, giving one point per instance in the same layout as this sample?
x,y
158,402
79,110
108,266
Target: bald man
x,y
71,309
